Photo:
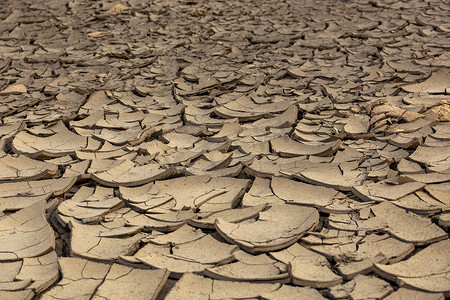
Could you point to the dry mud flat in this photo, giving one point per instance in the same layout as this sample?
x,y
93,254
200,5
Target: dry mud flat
x,y
224,149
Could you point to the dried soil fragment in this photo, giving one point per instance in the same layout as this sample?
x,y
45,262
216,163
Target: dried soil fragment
x,y
357,126
54,187
276,228
191,257
383,191
362,287
245,109
410,294
100,243
64,142
259,268
428,270
180,140
287,147
25,233
307,268
397,222
8,131
17,295
230,215
23,168
8,204
323,198
287,292
183,235
407,227
122,282
434,158
371,249
444,220
260,193
355,222
193,286
41,271
80,279
341,176
438,83
440,192
209,193
420,203
14,89
89,206
127,173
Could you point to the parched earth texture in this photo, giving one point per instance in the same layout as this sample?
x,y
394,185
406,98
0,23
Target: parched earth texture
x,y
273,149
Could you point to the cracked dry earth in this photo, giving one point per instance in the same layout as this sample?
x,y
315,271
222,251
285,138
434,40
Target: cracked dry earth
x,y
199,149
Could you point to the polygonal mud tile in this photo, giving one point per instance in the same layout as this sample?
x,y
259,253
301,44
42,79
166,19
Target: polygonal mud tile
x,y
434,158
127,173
64,142
78,170
362,287
14,89
268,166
444,220
342,176
440,192
22,168
107,151
100,243
190,257
331,237
17,295
209,193
420,203
197,287
258,268
307,268
210,161
175,157
433,177
15,203
122,282
427,270
182,235
236,215
165,221
397,222
10,269
285,119
54,187
90,206
408,227
245,109
25,233
224,172
436,84
133,135
260,193
371,249
288,292
180,140
357,126
41,271
286,147
323,198
412,294
406,166
276,228
383,191
85,279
